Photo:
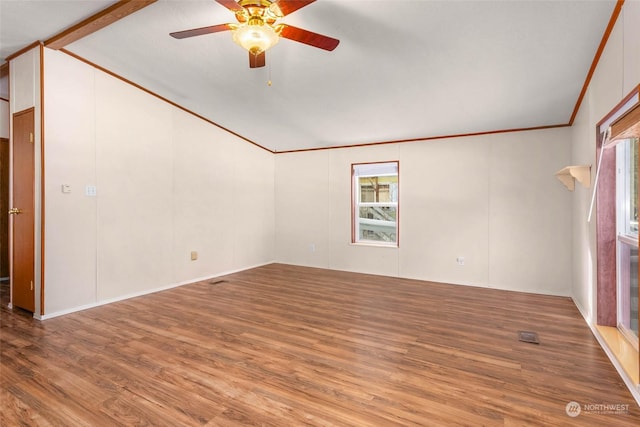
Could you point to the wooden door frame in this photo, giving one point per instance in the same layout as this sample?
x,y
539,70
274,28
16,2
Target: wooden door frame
x,y
37,104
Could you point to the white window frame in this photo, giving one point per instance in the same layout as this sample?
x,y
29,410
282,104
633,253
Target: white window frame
x,y
377,169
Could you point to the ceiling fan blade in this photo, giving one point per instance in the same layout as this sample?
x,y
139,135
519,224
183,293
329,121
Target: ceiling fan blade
x,y
289,6
230,4
308,37
257,61
200,31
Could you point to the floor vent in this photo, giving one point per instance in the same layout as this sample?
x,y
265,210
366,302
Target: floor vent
x,y
217,282
527,336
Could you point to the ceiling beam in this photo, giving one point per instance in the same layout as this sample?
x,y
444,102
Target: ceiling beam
x,y
96,22
23,50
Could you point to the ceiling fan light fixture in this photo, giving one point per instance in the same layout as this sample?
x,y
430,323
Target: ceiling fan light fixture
x,y
258,30
255,36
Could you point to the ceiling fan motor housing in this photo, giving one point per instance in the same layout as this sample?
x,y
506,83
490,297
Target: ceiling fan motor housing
x,y
265,9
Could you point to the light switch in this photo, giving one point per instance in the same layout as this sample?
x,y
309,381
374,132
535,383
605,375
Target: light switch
x,y
66,188
90,190
194,255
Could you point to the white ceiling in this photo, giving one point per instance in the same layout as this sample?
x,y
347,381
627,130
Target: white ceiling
x,y
404,69
23,22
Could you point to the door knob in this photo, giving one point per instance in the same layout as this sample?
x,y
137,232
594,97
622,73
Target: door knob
x,y
15,211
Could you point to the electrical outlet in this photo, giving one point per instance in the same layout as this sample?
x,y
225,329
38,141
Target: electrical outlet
x,y
194,255
460,260
312,247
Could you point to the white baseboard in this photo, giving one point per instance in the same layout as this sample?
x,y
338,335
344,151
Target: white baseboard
x,y
146,292
635,391
582,311
440,280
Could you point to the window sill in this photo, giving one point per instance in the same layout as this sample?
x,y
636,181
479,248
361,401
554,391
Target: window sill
x,y
375,245
623,350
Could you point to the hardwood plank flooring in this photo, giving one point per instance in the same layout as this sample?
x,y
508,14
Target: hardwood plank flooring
x,y
283,345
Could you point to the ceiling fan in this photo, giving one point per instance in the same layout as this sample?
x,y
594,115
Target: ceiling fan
x,y
257,31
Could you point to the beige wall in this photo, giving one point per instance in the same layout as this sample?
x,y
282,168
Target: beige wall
x,y
70,152
167,184
617,74
491,199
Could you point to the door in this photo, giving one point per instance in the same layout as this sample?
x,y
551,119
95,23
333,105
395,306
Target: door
x,y
4,202
22,211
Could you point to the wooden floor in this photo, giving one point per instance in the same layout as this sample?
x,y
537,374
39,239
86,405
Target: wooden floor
x,y
291,346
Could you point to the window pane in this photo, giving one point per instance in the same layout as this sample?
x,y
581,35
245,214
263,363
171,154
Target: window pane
x,y
632,219
380,213
377,223
628,288
378,189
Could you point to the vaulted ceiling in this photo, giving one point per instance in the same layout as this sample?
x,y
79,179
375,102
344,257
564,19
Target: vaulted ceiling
x,y
404,69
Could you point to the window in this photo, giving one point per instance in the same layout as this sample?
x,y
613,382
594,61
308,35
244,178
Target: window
x,y
627,237
375,203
